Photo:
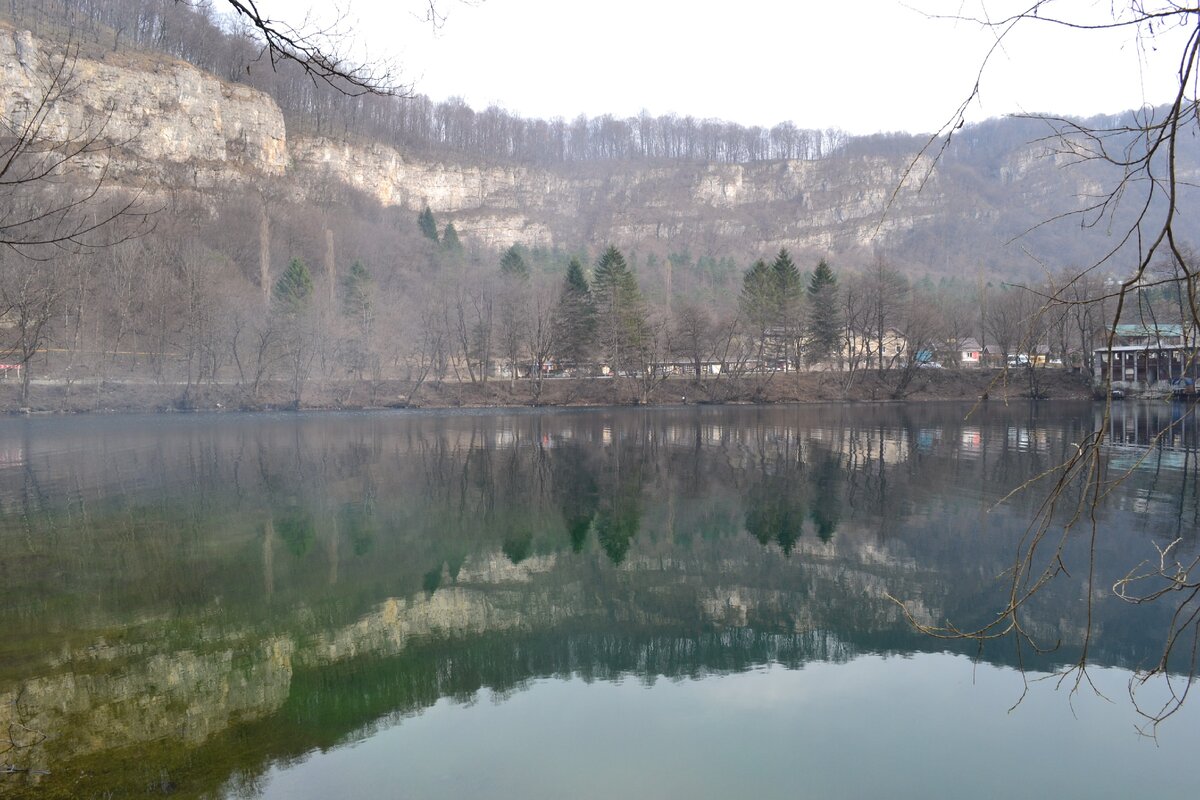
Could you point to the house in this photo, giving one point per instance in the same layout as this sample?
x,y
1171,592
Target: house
x,y
1147,357
991,356
970,353
862,349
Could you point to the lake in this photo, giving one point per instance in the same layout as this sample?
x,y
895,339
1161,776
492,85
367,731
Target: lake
x,y
691,602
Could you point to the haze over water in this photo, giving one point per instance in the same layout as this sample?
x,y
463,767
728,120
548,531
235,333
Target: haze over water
x,y
689,602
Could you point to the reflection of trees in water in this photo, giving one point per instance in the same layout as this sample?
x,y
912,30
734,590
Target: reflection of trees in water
x,y
391,502
359,524
827,499
576,491
328,523
775,496
619,482
349,511
295,526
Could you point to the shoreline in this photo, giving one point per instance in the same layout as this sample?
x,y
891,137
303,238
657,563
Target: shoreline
x,y
870,388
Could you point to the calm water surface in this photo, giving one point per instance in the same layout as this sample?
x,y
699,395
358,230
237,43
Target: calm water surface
x,y
673,603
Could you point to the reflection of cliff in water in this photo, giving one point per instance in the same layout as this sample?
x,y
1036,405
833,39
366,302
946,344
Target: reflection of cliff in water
x,y
271,585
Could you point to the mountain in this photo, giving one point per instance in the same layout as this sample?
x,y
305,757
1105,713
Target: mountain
x,y
178,130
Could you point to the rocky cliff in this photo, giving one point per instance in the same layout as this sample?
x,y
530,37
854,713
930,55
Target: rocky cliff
x,y
158,115
175,127
143,686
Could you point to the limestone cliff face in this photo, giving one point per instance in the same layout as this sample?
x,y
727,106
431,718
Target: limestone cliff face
x,y
174,127
822,204
158,115
143,687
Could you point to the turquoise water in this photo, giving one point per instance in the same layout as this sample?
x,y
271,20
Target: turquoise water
x,y
648,603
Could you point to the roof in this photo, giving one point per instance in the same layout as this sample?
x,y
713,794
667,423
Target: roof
x,y
1141,348
1138,329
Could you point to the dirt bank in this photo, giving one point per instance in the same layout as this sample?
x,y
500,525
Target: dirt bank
x,y
803,387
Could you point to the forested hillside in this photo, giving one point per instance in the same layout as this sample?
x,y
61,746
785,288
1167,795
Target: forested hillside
x,y
177,209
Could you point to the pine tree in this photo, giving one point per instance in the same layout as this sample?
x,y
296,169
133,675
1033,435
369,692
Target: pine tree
x,y
291,298
823,329
787,277
758,303
356,296
512,265
292,293
620,314
788,293
450,240
575,316
427,224
514,307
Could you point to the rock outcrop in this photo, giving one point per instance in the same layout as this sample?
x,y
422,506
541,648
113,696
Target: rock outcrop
x,y
175,128
157,115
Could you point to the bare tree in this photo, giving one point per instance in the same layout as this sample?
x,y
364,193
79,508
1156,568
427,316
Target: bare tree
x,y
921,330
320,51
854,350
693,336
541,334
31,294
886,294
472,314
1143,204
54,193
1004,320
648,360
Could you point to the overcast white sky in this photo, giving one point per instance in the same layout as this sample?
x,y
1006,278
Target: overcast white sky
x,y
863,66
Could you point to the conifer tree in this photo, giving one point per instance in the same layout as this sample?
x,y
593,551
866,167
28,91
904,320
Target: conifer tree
x,y
359,310
512,265
823,329
622,327
356,296
575,316
292,293
291,299
758,303
450,240
427,224
514,301
789,291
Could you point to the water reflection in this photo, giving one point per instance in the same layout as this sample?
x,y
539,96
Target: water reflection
x,y
200,597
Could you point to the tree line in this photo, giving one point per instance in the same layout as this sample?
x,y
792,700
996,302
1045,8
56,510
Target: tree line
x,y
260,289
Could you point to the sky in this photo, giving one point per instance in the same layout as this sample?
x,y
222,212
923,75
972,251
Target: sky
x,y
864,67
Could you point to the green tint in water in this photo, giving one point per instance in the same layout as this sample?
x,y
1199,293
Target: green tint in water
x,y
195,606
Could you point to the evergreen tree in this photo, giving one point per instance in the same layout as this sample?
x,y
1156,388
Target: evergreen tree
x,y
758,303
291,298
620,314
450,240
356,296
823,329
427,224
292,293
575,317
788,293
514,305
787,277
512,265
359,310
